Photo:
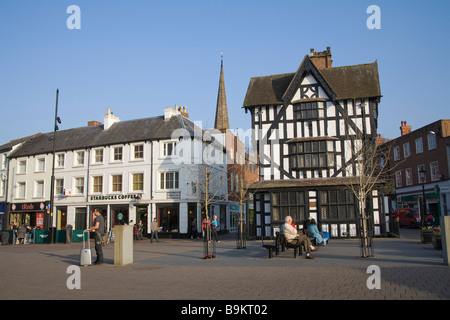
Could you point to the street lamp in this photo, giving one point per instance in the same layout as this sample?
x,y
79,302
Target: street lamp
x,y
422,173
52,235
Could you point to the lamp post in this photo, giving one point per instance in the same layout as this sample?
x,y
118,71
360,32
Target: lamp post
x,y
423,172
52,184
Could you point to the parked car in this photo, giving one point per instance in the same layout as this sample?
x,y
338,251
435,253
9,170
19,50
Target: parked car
x,y
410,217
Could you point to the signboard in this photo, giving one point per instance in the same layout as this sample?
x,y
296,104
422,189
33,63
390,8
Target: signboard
x,y
23,207
40,220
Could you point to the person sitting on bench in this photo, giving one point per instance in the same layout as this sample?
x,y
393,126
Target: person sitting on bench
x,y
294,238
313,232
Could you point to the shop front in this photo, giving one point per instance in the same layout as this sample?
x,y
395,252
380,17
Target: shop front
x,y
31,214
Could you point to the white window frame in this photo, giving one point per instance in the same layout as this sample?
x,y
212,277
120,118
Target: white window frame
x,y
79,155
408,176
112,182
133,151
398,179
19,189
132,175
59,192
419,175
93,184
168,147
95,154
40,161
406,150
164,182
113,154
434,171
431,141
60,160
396,153
22,166
76,190
419,145
39,189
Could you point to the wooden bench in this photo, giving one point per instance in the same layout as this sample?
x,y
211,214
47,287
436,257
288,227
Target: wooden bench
x,y
281,240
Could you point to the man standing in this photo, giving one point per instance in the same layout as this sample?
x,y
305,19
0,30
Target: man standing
x,y
99,229
154,228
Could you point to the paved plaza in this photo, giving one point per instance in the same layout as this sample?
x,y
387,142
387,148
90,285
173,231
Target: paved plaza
x,y
173,269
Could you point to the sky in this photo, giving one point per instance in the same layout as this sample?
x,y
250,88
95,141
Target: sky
x,y
138,57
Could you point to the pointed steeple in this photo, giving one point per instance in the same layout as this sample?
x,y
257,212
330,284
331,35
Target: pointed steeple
x,y
221,122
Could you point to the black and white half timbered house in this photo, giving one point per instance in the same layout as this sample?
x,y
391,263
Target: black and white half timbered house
x,y
305,124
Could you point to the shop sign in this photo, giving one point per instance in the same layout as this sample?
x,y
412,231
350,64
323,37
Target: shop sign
x,y
174,195
117,197
40,220
33,206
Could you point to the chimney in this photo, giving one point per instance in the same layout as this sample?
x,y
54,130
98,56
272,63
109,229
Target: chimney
x,y
109,119
93,123
322,60
405,129
380,140
170,112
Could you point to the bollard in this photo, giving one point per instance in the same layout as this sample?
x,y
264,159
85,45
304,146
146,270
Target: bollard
x,y
445,234
123,245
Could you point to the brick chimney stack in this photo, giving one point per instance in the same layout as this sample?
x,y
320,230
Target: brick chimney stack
x,y
322,60
405,129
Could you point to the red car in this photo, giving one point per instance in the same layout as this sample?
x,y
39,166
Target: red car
x,y
410,217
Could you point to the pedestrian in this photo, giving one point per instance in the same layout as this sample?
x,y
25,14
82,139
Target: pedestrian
x,y
141,229
205,225
154,229
99,231
294,238
194,229
215,228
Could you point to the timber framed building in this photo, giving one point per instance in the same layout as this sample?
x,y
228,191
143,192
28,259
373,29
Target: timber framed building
x,y
306,124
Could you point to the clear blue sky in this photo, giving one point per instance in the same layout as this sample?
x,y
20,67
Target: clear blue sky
x,y
140,56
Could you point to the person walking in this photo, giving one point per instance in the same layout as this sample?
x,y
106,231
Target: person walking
x,y
214,228
99,229
154,229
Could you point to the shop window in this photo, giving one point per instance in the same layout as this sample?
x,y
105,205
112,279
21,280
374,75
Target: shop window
x,y
80,218
168,217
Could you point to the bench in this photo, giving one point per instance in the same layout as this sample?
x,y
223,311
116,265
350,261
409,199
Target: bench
x,y
281,240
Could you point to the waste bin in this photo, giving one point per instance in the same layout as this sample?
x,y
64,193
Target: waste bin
x,y
69,232
77,236
5,237
40,236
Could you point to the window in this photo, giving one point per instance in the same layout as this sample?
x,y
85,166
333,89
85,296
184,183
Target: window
x,y
39,189
40,164
138,182
434,170
79,158
98,156
419,145
117,183
291,203
79,185
398,179
59,186
409,177
97,182
406,150
21,188
117,156
60,160
169,149
306,110
396,153
337,205
311,154
22,167
421,173
431,141
139,151
168,180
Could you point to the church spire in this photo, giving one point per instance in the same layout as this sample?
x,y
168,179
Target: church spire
x,y
221,121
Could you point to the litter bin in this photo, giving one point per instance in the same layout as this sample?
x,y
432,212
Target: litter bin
x,y
5,237
69,232
51,235
40,236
